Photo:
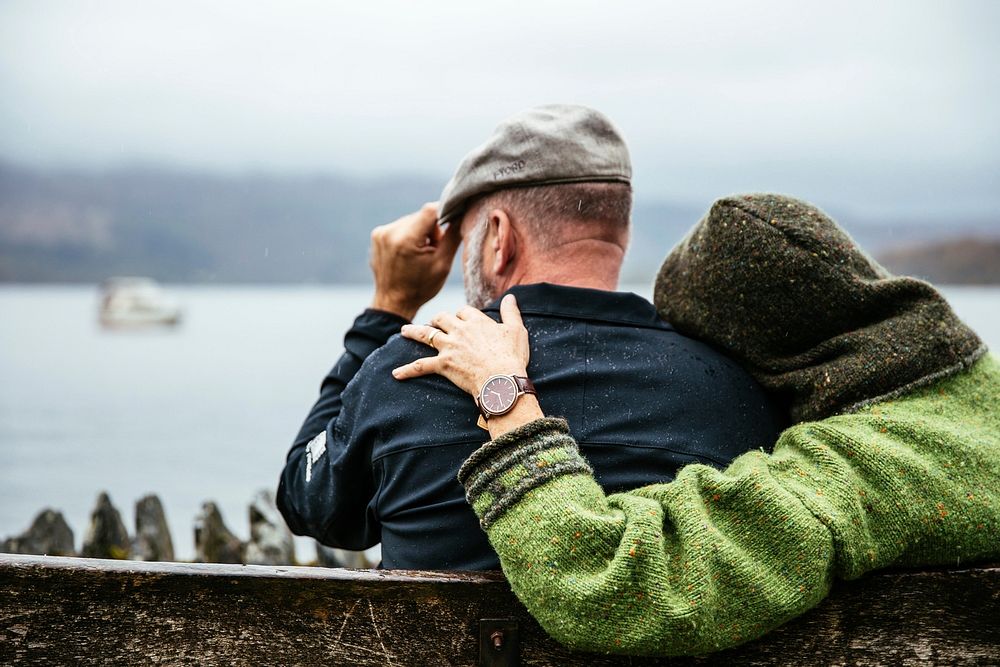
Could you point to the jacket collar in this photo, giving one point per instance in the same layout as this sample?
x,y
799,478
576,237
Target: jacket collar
x,y
581,303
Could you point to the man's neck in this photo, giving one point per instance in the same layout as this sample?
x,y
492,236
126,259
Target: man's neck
x,y
588,263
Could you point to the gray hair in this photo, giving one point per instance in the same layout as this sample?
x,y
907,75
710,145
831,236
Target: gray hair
x,y
556,214
478,289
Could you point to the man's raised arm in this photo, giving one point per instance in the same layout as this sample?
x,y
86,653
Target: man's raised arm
x,y
326,484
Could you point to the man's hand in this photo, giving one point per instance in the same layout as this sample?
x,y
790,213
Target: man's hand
x,y
411,258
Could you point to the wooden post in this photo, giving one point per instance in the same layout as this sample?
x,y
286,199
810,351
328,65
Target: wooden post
x,y
71,611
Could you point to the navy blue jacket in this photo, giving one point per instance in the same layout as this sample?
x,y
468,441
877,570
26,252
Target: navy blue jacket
x,y
641,399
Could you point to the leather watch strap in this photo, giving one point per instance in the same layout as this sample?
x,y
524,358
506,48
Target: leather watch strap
x,y
524,385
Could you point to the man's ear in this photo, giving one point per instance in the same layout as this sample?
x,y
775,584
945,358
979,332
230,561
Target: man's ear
x,y
504,241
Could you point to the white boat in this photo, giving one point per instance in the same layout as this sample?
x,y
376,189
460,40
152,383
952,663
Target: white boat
x,y
136,302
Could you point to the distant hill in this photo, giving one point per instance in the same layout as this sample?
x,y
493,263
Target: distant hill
x,y
967,261
177,226
182,227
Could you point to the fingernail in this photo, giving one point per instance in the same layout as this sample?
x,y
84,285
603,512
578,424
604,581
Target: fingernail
x,y
395,373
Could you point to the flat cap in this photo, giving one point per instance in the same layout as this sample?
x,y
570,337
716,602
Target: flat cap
x,y
556,143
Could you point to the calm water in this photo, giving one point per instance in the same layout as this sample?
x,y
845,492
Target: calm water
x,y
206,411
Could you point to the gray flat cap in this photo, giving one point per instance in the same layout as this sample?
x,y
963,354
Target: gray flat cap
x,y
557,143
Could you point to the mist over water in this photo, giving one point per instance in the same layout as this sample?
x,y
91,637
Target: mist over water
x,y
203,412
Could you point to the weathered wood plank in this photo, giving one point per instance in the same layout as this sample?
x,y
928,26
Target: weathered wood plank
x,y
69,611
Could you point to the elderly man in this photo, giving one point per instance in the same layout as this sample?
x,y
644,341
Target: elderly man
x,y
543,208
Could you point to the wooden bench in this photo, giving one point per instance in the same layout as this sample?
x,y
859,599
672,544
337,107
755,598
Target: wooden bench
x,y
73,610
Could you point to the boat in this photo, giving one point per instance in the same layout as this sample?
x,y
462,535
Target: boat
x,y
131,302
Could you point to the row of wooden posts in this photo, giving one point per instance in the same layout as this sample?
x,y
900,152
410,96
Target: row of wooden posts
x,y
106,536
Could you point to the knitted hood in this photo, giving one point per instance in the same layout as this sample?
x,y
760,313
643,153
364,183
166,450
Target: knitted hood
x,y
784,290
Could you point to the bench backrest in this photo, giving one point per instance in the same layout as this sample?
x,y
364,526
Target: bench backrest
x,y
72,610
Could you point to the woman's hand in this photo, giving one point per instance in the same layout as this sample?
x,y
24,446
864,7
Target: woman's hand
x,y
471,346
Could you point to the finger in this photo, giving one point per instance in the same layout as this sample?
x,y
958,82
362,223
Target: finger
x,y
423,333
424,221
445,321
425,366
509,312
468,313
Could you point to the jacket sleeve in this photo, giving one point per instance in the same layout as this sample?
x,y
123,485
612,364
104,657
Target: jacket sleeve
x,y
716,558
327,483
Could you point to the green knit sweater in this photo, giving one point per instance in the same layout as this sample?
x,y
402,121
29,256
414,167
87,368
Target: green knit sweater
x,y
716,558
894,459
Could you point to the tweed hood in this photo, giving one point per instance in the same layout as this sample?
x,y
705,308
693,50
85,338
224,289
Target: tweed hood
x,y
788,293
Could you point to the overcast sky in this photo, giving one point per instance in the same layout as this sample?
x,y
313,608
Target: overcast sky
x,y
886,107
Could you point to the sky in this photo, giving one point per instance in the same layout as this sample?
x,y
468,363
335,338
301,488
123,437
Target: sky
x,y
889,108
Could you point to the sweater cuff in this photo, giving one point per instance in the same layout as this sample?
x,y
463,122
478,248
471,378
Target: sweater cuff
x,y
501,472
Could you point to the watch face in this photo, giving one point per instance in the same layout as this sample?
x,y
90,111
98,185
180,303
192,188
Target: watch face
x,y
498,394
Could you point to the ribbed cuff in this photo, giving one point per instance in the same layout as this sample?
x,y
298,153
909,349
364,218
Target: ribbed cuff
x,y
500,472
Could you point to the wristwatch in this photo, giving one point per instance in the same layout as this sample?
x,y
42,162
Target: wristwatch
x,y
499,394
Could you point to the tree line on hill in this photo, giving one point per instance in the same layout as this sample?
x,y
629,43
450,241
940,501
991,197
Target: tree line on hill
x,y
187,227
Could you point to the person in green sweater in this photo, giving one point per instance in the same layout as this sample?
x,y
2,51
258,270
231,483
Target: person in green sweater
x,y
893,458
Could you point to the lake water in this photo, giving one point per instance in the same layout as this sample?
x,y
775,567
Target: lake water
x,y
202,412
